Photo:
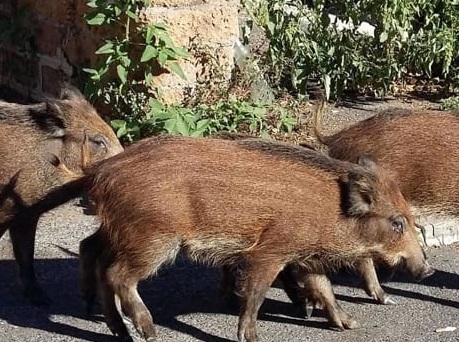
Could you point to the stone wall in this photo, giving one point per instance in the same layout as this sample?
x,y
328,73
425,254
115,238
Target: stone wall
x,y
64,43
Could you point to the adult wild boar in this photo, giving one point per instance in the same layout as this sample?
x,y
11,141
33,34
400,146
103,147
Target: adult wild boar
x,y
247,203
421,148
29,134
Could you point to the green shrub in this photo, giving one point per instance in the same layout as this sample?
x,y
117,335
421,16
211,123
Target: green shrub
x,y
450,103
410,36
123,81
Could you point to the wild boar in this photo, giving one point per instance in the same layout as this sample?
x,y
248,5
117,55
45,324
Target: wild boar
x,y
421,149
246,203
28,135
363,267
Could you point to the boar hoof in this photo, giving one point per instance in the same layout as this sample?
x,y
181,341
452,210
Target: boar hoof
x,y
387,300
351,324
309,308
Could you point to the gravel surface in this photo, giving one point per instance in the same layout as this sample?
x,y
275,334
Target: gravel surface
x,y
184,299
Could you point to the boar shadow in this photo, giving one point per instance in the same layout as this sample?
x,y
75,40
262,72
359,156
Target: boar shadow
x,y
61,276
180,289
440,279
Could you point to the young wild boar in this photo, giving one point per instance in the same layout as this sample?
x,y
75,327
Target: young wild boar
x,y
28,135
247,203
421,148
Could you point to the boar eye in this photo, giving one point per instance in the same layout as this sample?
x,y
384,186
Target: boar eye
x,y
99,141
399,224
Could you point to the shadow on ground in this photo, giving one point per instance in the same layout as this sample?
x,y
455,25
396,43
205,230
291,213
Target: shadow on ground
x,y
177,290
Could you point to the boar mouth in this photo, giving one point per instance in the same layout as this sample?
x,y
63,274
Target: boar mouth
x,y
417,272
426,272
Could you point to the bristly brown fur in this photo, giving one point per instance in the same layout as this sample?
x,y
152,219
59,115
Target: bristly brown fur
x,y
29,134
224,202
420,147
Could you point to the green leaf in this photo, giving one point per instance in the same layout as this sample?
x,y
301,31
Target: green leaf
x,y
121,132
155,104
120,126
331,51
181,126
90,71
132,15
96,18
169,125
162,58
202,123
180,52
271,27
107,48
149,53
149,34
122,73
162,35
92,4
383,37
117,11
149,79
175,67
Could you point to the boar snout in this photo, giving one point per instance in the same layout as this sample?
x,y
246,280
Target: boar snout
x,y
419,270
425,272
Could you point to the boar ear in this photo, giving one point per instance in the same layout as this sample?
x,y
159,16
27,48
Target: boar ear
x,y
50,119
360,194
12,183
69,92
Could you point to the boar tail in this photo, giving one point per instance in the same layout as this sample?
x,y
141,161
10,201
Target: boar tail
x,y
317,121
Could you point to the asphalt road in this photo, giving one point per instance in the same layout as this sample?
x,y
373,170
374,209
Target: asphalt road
x,y
185,303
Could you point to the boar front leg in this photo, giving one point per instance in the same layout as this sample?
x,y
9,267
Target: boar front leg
x,y
22,234
294,292
260,272
318,289
366,270
90,250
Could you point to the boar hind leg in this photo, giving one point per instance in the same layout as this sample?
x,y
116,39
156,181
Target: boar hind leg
x,y
133,305
90,249
319,289
366,270
294,292
258,277
228,285
111,310
22,234
128,268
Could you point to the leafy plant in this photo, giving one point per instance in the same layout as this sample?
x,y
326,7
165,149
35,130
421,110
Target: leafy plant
x,y
124,81
450,103
327,43
124,78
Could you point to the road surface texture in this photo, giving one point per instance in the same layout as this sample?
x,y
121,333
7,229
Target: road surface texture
x,y
184,298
